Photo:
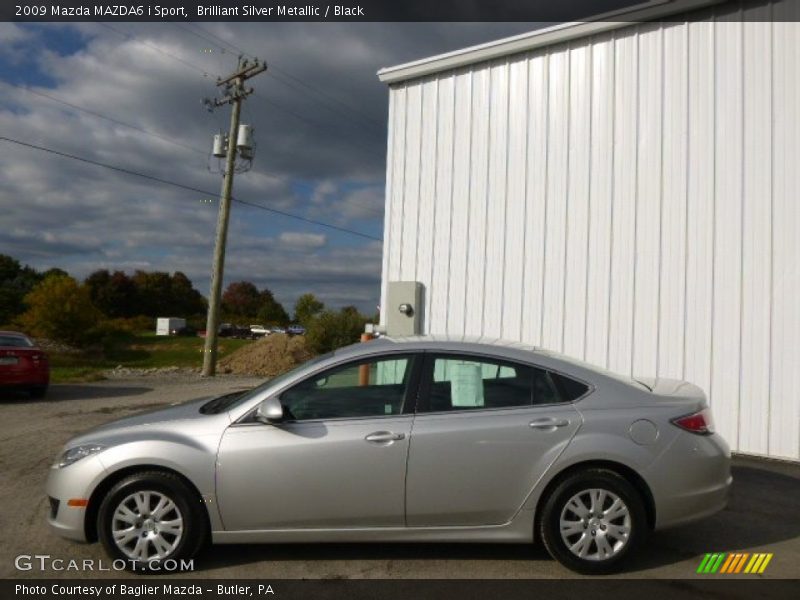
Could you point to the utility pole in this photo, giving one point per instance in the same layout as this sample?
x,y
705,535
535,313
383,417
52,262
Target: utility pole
x,y
235,94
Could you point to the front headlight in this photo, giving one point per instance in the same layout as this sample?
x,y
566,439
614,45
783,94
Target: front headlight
x,y
75,454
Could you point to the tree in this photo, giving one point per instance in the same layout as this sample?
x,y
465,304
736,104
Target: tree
x,y
271,311
15,282
186,299
60,309
241,299
306,308
154,293
113,294
331,329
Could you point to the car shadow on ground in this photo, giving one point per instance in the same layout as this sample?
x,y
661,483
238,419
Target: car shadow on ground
x,y
761,511
64,391
218,557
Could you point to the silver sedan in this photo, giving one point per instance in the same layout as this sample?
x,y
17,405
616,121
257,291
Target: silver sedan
x,y
423,439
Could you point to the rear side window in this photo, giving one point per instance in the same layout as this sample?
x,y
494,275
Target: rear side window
x,y
570,389
465,383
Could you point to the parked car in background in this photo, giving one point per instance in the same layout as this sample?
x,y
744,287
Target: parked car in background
x,y
510,443
296,330
23,366
277,329
187,331
258,331
233,331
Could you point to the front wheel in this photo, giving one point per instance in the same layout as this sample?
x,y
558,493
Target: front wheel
x,y
151,517
592,521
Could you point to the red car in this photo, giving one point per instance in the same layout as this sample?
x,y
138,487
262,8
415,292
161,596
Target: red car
x,y
23,366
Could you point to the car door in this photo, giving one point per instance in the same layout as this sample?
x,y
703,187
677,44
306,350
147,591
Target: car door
x,y
486,431
338,460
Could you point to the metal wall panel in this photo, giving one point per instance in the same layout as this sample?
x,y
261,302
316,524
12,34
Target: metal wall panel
x,y
784,408
629,199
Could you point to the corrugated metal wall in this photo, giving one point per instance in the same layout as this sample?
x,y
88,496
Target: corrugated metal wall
x,y
630,199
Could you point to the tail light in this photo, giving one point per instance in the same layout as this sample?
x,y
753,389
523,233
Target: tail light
x,y
39,358
700,422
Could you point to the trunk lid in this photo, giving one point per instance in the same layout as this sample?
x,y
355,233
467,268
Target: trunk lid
x,y
674,389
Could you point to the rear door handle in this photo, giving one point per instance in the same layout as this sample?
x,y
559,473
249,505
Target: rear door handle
x,y
385,437
548,424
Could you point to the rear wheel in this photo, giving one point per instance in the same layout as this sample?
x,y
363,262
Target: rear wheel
x,y
151,517
592,521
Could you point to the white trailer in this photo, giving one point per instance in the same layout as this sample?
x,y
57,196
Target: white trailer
x,y
166,325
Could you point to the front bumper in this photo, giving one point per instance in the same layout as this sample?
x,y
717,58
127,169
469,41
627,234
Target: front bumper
x,y
76,481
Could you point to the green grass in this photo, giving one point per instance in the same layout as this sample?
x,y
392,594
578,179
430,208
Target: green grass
x,y
142,351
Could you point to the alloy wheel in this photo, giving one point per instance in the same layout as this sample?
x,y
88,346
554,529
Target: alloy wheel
x,y
147,525
595,524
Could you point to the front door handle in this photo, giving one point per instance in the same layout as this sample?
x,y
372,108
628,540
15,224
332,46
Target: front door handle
x,y
548,424
385,437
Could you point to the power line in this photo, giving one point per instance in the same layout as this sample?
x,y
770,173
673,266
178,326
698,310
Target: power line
x,y
317,124
354,112
219,41
281,75
285,180
104,117
186,63
305,84
270,101
186,187
366,126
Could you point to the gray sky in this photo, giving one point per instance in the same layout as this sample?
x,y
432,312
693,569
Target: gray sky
x,y
320,119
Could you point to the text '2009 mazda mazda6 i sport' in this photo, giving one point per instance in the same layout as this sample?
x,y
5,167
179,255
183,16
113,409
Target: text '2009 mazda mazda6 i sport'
x,y
421,439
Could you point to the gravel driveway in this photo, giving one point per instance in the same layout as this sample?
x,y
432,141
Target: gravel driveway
x,y
762,515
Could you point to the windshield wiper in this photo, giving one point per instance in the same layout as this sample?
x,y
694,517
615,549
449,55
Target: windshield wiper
x,y
220,403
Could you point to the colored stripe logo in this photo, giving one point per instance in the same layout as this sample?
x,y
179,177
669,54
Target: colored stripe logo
x,y
734,562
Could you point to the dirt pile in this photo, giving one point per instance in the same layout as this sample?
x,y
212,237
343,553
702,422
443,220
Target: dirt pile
x,y
268,357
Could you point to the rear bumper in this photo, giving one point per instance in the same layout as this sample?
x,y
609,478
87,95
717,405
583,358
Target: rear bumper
x,y
22,379
695,479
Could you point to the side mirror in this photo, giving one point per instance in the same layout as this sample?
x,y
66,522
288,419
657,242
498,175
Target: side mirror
x,y
269,411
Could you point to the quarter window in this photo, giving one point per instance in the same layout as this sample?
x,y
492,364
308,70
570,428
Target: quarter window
x,y
369,388
570,389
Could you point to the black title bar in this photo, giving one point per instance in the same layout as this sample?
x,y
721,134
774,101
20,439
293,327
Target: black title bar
x,y
540,11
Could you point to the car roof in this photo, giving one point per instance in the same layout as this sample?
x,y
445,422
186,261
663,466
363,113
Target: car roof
x,y
16,333
489,346
442,343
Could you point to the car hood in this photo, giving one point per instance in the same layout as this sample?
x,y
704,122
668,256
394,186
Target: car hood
x,y
186,413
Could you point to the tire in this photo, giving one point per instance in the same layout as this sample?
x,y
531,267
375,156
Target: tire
x,y
593,543
161,509
38,392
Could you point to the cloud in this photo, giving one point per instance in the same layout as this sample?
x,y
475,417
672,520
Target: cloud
x,y
320,119
302,240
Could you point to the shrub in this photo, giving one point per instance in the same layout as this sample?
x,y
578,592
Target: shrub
x,y
331,330
60,309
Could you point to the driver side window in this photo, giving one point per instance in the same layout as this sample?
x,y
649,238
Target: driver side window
x,y
366,388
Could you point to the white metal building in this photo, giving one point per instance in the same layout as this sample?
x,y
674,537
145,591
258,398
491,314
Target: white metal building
x,y
623,193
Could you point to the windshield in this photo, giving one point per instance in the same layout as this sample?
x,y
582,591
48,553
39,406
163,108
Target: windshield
x,y
229,401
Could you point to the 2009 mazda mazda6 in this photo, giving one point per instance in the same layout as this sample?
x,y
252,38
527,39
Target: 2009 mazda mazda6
x,y
421,439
